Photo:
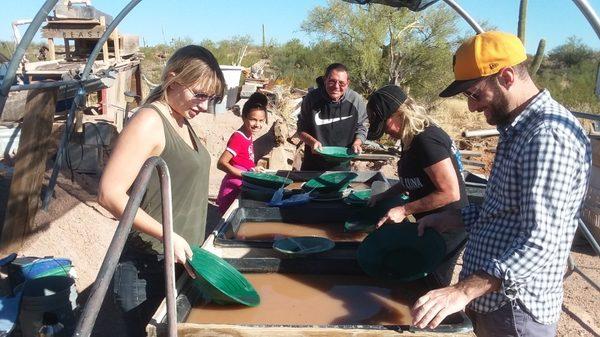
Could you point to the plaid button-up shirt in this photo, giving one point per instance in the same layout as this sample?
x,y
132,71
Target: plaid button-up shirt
x,y
522,233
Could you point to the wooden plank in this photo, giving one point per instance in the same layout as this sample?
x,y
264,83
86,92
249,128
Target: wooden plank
x,y
93,33
212,330
374,156
472,163
30,165
67,49
105,45
595,151
117,47
74,21
51,50
469,153
480,133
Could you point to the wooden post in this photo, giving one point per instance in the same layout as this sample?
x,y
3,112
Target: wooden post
x,y
117,46
51,50
67,50
138,84
25,188
105,45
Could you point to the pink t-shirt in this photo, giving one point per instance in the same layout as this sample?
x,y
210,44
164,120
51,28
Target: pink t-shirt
x,y
242,150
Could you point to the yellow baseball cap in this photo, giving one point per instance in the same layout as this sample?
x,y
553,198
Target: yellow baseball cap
x,y
483,55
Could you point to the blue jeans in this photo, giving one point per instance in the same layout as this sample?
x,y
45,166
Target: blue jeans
x,y
510,320
139,287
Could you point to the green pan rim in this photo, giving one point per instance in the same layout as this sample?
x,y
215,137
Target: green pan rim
x,y
223,271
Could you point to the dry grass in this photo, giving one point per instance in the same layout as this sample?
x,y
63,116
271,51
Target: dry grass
x,y
454,117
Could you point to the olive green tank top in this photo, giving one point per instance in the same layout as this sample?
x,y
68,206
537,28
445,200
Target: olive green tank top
x,y
189,170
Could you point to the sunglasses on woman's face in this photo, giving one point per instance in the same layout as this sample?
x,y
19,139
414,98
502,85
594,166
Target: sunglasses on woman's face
x,y
202,96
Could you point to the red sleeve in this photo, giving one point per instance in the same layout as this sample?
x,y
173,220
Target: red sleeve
x,y
235,145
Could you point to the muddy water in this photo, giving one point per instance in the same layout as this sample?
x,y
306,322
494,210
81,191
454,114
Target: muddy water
x,y
318,299
267,231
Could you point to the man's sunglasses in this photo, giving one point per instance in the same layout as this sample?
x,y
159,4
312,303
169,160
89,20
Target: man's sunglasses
x,y
476,95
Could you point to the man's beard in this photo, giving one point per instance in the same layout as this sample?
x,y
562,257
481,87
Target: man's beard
x,y
500,114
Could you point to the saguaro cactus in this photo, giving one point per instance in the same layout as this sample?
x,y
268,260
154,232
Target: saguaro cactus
x,y
522,20
539,56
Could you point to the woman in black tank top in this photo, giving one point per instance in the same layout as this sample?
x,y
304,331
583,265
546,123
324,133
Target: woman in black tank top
x,y
191,80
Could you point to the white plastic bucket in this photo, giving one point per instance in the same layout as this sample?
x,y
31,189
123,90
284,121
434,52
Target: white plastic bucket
x,y
232,86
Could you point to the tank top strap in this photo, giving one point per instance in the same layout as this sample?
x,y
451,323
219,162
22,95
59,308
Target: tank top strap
x,y
171,135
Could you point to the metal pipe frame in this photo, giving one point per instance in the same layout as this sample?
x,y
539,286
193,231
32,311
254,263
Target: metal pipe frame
x,y
476,27
17,56
88,317
589,14
78,99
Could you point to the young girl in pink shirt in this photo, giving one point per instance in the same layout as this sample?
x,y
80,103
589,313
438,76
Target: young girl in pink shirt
x,y
238,157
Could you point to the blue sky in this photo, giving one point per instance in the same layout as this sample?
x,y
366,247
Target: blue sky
x,y
159,21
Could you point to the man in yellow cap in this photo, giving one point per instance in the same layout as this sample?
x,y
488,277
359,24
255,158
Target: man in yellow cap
x,y
520,237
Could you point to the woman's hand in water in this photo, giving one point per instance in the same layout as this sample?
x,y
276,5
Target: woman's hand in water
x,y
183,252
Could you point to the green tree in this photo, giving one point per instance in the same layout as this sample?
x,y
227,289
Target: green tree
x,y
383,44
299,65
573,52
228,52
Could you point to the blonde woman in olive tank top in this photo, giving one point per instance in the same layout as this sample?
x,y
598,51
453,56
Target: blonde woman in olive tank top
x,y
191,80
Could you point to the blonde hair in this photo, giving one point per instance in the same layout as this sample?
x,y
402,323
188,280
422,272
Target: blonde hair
x,y
414,119
191,65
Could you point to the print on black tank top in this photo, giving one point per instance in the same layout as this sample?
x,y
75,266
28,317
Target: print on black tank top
x,y
427,148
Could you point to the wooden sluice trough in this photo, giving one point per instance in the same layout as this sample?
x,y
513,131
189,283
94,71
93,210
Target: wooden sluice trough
x,y
315,296
325,294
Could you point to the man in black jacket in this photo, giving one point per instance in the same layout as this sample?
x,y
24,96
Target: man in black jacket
x,y
331,115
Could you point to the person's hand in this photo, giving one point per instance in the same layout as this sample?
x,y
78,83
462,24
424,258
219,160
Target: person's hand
x,y
183,252
441,222
431,309
316,146
396,215
356,146
257,169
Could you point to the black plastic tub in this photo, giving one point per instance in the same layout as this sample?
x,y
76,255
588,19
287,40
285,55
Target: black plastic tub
x,y
331,218
258,199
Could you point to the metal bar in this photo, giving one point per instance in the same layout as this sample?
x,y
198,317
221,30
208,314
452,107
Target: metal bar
x,y
88,317
588,235
586,115
167,212
15,27
17,56
79,99
589,14
53,84
476,27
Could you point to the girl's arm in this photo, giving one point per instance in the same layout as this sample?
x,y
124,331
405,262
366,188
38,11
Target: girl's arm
x,y
224,164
